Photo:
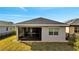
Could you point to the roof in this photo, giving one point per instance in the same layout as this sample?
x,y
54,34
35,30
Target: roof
x,y
6,23
40,20
73,22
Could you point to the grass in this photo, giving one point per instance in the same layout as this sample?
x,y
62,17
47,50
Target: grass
x,y
51,46
10,44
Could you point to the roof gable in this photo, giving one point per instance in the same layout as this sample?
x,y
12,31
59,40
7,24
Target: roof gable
x,y
73,22
40,20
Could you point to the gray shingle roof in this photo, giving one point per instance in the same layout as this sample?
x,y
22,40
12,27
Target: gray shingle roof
x,y
40,20
73,22
5,22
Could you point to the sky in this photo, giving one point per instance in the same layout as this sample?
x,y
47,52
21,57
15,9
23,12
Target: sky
x,y
19,14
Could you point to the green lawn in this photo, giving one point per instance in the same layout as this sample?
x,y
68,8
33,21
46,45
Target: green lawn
x,y
10,44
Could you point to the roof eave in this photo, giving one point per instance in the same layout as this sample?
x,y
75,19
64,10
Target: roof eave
x,y
42,25
7,25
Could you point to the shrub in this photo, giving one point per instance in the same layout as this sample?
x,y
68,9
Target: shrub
x,y
13,32
71,39
76,44
7,34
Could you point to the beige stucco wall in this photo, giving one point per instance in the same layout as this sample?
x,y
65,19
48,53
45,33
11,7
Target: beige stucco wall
x,y
71,30
53,38
67,29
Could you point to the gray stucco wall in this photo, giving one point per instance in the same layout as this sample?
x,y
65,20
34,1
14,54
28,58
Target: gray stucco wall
x,y
53,38
3,29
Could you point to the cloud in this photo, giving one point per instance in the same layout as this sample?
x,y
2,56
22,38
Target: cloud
x,y
24,9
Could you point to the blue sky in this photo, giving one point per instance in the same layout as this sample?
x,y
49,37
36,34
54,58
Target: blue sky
x,y
18,14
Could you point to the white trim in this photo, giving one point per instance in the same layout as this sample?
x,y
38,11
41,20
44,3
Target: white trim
x,y
30,25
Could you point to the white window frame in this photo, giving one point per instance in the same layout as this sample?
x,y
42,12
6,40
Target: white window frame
x,y
52,31
77,29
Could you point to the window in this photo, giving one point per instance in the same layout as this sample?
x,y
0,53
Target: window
x,y
6,28
56,31
10,28
77,29
53,31
50,31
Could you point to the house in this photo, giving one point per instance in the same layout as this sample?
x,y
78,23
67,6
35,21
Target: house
x,y
6,27
73,26
41,29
